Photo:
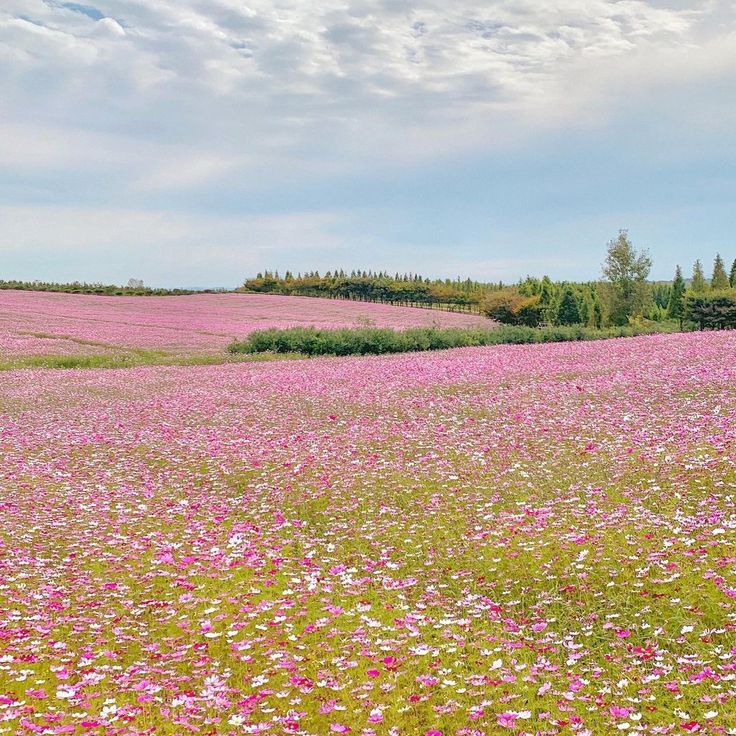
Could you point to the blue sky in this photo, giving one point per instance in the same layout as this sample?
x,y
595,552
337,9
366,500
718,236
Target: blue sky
x,y
195,142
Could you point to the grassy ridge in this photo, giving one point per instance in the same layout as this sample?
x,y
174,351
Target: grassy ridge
x,y
129,360
379,341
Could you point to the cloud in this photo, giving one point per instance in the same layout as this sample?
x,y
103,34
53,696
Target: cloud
x,y
357,78
179,106
275,86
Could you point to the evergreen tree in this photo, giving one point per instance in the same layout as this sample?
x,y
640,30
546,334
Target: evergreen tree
x,y
675,306
719,280
627,271
698,284
586,309
568,312
732,277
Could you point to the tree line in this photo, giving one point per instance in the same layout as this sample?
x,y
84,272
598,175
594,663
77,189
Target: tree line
x,y
368,286
623,296
78,287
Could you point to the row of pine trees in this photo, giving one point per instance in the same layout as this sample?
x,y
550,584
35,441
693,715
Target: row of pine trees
x,y
532,301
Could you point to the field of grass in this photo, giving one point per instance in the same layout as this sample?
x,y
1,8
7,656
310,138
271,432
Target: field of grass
x,y
517,539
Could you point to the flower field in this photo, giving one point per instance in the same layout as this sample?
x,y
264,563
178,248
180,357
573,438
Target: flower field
x,y
509,540
44,323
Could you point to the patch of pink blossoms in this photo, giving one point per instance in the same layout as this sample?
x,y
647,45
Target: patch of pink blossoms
x,y
451,543
44,323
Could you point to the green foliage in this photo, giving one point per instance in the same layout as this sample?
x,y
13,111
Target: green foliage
x,y
379,341
698,284
712,311
719,280
568,312
626,270
675,306
77,287
732,276
512,307
406,289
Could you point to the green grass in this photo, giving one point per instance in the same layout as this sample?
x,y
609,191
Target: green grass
x,y
132,359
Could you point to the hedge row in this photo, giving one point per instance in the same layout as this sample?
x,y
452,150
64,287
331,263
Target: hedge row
x,y
378,341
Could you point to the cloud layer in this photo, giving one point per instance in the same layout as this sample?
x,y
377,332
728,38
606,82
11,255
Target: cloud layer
x,y
138,105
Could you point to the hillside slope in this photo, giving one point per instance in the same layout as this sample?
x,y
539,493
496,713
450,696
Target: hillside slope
x,y
41,323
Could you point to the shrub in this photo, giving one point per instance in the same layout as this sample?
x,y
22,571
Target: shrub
x,y
713,310
513,308
379,341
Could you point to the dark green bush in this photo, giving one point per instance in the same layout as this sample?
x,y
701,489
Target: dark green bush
x,y
712,311
380,340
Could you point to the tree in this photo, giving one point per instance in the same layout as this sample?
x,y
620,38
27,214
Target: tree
x,y
732,277
512,308
713,311
698,284
719,280
568,313
626,270
675,306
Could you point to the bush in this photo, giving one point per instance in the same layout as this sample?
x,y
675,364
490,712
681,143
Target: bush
x,y
513,308
380,341
712,311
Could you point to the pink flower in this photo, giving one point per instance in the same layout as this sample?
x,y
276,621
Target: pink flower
x,y
507,719
340,728
619,711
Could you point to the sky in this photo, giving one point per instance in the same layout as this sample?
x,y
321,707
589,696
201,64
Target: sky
x,y
197,142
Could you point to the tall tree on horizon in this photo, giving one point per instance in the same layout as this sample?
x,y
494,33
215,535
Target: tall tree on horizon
x,y
732,277
626,271
568,313
698,284
719,280
676,307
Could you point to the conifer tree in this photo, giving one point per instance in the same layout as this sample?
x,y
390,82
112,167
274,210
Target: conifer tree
x,y
586,309
732,277
719,280
675,306
698,284
568,313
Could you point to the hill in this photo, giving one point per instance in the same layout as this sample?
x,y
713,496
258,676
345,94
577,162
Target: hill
x,y
44,323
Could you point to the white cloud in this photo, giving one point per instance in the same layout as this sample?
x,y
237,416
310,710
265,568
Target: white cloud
x,y
407,79
141,106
